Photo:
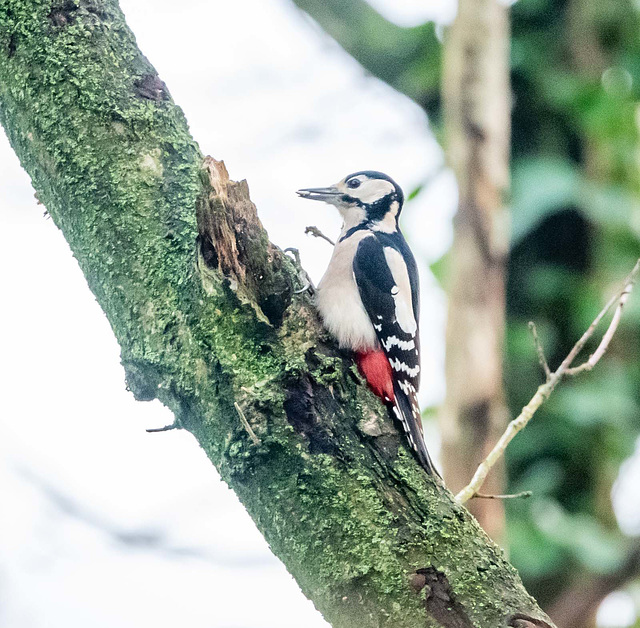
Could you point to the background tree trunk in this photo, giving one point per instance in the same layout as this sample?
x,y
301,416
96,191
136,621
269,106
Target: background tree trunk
x,y
477,96
215,332
574,203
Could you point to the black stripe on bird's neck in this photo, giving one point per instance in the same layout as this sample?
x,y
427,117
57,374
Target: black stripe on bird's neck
x,y
361,227
375,212
378,209
387,238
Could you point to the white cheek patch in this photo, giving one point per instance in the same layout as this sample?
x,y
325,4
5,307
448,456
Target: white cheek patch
x,y
401,292
372,190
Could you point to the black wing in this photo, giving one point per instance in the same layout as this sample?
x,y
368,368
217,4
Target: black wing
x,y
388,292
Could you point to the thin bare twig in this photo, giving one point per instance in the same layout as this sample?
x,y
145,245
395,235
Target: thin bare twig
x,y
245,424
545,390
316,233
174,426
521,495
541,357
606,339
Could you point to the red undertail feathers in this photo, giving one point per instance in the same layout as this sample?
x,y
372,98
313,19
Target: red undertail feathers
x,y
375,368
401,401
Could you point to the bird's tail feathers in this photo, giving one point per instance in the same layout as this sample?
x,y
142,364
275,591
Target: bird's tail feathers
x,y
406,410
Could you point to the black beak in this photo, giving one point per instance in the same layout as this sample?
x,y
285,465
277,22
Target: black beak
x,y
319,194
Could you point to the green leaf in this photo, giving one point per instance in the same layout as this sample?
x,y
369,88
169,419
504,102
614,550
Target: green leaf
x,y
532,553
540,187
589,542
440,268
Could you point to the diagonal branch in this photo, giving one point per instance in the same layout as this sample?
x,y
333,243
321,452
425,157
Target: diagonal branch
x,y
204,309
553,379
408,59
539,350
606,339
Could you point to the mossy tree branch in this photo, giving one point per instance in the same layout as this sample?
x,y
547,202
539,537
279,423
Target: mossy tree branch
x,y
205,313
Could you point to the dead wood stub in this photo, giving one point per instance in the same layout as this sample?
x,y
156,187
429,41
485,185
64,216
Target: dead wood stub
x,y
233,241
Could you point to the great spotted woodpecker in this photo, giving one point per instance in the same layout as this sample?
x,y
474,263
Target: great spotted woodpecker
x,y
369,296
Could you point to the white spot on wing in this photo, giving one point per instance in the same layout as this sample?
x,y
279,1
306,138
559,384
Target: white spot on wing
x,y
404,345
407,388
402,367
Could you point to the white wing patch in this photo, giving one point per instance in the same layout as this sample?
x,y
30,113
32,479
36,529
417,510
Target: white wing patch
x,y
402,291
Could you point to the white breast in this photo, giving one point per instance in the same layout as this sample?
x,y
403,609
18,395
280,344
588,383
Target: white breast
x,y
339,301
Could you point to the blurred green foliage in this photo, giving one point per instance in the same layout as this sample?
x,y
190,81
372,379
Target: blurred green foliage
x,y
575,199
576,234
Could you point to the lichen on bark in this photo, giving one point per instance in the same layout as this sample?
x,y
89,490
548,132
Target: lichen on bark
x,y
208,323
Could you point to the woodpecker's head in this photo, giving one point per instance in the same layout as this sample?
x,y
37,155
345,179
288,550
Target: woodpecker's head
x,y
366,196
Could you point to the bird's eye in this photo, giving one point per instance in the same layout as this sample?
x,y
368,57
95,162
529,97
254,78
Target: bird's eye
x,y
353,183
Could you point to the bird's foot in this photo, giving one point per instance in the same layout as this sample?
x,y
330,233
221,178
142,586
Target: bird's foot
x,y
303,277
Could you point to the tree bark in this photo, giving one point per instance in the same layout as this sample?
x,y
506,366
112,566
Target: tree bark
x,y
477,126
204,309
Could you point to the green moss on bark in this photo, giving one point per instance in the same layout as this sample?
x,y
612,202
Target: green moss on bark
x,y
351,515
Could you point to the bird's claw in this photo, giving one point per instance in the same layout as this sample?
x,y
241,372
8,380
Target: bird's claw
x,y
307,286
296,254
303,277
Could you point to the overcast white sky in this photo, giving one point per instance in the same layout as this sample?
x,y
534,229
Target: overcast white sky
x,y
80,479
